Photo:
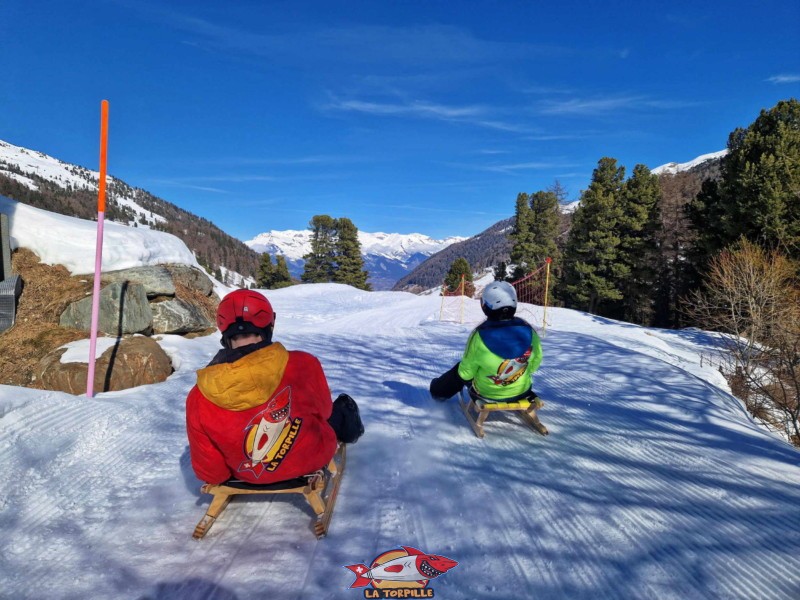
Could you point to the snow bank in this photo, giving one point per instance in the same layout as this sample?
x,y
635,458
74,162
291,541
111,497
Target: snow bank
x,y
69,241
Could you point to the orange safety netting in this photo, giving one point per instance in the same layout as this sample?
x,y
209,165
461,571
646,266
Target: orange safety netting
x,y
452,308
533,295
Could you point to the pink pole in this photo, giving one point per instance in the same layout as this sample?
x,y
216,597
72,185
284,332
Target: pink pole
x,y
98,260
98,257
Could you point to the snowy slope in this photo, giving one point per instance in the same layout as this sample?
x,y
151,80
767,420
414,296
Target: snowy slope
x,y
672,168
387,256
64,175
654,482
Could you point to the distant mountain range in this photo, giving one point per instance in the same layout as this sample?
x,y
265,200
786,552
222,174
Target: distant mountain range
x,y
388,257
483,250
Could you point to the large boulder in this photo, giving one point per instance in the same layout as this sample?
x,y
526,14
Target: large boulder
x,y
132,362
177,316
123,309
191,277
157,280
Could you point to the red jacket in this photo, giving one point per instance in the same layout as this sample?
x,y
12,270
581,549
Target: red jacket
x,y
262,418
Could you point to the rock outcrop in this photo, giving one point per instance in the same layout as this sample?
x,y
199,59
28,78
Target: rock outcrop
x,y
191,278
157,280
177,316
124,308
131,362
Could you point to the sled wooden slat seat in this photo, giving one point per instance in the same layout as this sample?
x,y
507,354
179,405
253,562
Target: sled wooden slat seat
x,y
492,406
478,408
319,489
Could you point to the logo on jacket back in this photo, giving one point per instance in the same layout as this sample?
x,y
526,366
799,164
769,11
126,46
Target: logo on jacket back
x,y
270,434
511,369
401,573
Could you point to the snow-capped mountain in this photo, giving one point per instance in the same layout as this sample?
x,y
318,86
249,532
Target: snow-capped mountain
x,y
387,256
672,168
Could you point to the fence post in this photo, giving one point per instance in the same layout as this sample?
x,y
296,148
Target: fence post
x,y
463,291
547,261
441,307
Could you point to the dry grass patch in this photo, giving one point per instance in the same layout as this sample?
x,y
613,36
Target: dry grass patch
x,y
47,291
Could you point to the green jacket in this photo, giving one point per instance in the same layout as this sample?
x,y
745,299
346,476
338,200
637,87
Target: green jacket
x,y
500,358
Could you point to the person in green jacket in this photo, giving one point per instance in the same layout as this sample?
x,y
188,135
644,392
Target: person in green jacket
x,y
501,355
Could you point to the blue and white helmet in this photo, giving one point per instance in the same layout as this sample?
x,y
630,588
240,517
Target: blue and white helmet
x,y
499,294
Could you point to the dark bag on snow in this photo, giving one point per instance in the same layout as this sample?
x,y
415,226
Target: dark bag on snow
x,y
345,419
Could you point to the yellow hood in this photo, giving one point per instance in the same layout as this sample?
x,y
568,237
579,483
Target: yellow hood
x,y
246,383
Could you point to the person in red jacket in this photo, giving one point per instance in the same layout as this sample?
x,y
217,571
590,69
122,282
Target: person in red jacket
x,y
260,413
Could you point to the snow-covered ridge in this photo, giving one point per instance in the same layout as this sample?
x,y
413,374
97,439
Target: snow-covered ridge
x,y
64,175
293,244
672,168
569,208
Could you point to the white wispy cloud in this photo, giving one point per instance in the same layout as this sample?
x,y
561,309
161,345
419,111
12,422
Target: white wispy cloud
x,y
524,166
188,186
600,105
233,178
419,109
784,78
289,161
544,137
511,167
198,181
474,115
430,44
580,106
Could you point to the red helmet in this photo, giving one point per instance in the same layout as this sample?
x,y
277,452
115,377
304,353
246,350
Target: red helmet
x,y
245,311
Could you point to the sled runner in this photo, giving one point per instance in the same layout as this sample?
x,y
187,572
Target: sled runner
x,y
319,489
477,409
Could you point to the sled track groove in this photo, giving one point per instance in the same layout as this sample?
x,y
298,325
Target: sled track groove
x,y
678,488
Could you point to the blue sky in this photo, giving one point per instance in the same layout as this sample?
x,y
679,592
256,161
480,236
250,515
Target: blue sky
x,y
403,116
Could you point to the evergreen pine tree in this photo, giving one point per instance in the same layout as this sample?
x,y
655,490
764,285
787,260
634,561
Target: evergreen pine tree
x,y
320,261
591,266
266,272
452,281
757,196
639,228
544,232
350,264
536,227
522,248
501,271
282,276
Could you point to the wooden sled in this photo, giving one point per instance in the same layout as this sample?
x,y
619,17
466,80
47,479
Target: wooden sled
x,y
319,489
477,410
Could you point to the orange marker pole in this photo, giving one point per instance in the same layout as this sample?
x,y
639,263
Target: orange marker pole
x,y
98,258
